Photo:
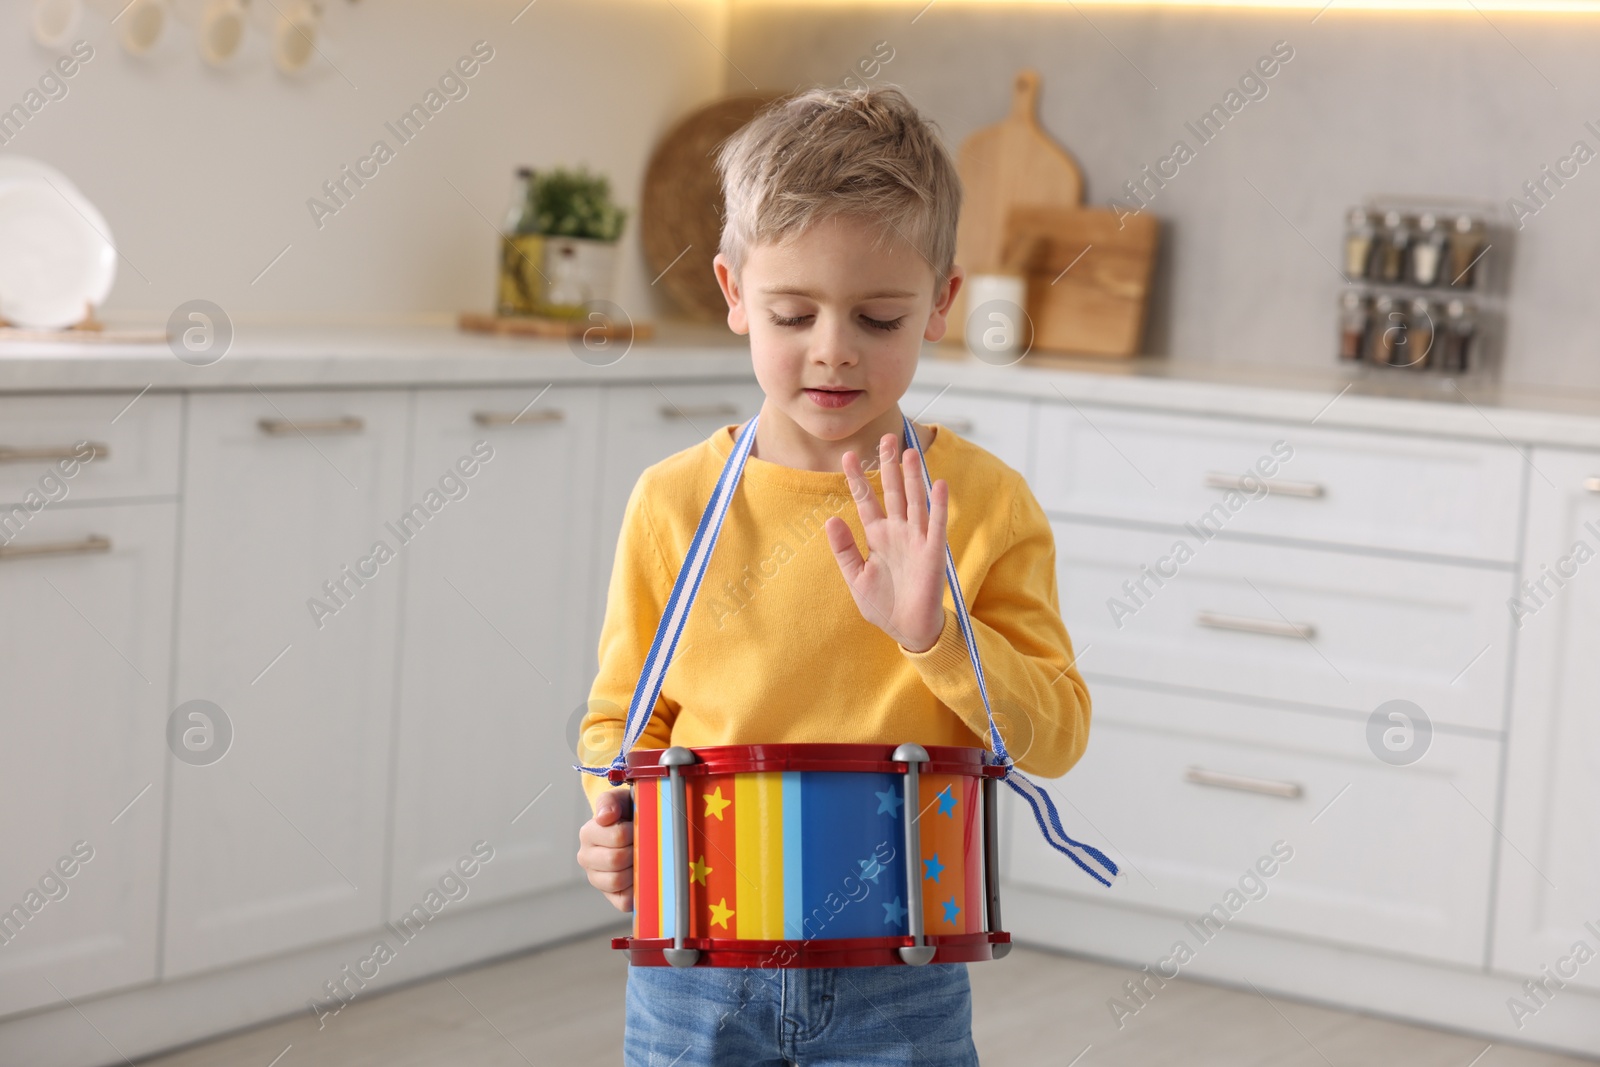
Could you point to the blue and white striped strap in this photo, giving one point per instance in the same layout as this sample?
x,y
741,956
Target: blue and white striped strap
x,y
676,615
1037,798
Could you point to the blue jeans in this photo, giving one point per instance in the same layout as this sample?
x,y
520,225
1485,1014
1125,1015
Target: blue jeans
x,y
807,1017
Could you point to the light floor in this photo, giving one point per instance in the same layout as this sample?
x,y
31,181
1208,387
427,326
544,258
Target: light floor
x,y
1031,1008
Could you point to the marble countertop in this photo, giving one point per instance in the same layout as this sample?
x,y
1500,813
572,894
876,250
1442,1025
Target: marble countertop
x,y
349,356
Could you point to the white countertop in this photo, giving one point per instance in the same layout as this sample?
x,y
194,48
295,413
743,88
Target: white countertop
x,y
398,355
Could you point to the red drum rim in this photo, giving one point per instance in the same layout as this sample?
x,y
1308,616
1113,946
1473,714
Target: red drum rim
x,y
837,952
807,756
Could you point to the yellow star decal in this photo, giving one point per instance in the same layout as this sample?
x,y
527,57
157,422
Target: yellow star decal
x,y
698,870
721,913
715,803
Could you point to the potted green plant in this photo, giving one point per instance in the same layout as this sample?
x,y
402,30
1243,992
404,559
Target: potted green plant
x,y
574,211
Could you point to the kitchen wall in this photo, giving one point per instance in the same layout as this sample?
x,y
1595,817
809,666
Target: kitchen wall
x,y
203,175
1458,104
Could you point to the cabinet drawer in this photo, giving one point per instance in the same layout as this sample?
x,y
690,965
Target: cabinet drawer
x,y
138,454
1287,624
1003,427
1190,794
1415,494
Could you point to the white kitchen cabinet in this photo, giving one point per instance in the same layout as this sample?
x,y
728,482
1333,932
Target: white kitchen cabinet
x,y
280,843
645,424
1001,425
85,657
1426,495
493,666
1289,624
1549,895
1189,793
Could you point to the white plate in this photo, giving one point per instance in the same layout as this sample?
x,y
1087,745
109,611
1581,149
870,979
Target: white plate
x,y
56,255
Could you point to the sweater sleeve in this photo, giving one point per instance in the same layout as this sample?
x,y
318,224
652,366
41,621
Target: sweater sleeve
x,y
1040,702
637,595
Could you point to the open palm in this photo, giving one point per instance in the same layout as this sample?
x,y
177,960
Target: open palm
x,y
899,587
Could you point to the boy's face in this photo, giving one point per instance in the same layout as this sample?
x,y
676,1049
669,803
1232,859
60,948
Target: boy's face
x,y
835,325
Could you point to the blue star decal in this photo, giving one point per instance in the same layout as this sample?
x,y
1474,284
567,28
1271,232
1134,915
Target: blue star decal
x,y
894,914
950,910
947,802
888,801
932,868
871,868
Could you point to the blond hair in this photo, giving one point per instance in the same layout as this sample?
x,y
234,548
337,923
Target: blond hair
x,y
828,152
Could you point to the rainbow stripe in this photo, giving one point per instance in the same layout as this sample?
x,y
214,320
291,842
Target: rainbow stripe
x,y
803,855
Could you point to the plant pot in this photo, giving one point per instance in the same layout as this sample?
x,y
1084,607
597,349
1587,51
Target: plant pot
x,y
577,270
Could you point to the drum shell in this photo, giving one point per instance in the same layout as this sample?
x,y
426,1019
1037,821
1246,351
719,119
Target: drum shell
x,y
797,856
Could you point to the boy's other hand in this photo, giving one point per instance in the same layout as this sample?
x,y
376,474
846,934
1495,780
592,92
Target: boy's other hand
x,y
606,847
899,587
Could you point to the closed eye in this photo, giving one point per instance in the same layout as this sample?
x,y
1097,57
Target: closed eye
x,y
872,323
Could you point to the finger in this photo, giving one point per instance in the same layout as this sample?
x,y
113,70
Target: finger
x,y
619,835
609,857
621,901
916,492
939,514
894,497
845,549
861,490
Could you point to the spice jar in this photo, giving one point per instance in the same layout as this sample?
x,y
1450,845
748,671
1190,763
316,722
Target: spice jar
x,y
1421,330
1388,331
1466,249
1427,251
1353,311
1396,239
1457,335
1360,237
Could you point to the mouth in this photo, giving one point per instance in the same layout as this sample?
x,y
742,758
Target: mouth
x,y
832,396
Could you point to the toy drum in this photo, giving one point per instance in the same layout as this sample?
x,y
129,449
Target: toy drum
x,y
809,855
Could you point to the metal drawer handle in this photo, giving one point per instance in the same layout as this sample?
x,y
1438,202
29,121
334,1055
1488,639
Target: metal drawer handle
x,y
1592,484
1215,480
673,411
28,455
1243,783
501,418
344,424
92,543
1245,624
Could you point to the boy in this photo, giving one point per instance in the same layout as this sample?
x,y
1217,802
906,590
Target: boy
x,y
837,258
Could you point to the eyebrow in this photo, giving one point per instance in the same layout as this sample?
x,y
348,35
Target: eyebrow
x,y
790,290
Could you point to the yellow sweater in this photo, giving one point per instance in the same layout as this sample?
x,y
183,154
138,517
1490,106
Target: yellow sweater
x,y
775,650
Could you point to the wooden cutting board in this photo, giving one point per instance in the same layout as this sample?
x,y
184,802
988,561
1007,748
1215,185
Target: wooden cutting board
x,y
1088,278
1012,162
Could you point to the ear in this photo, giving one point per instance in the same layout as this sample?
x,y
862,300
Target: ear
x,y
738,314
938,320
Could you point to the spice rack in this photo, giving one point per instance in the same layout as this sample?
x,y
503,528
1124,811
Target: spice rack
x,y
1427,286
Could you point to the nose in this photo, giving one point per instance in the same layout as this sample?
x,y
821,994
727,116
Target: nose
x,y
831,343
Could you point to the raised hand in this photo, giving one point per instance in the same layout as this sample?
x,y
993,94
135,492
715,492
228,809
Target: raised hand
x,y
899,587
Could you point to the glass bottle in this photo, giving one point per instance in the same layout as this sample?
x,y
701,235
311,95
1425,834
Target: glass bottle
x,y
1359,238
1352,326
1388,331
521,284
1456,337
1466,251
1427,251
1421,332
1396,238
